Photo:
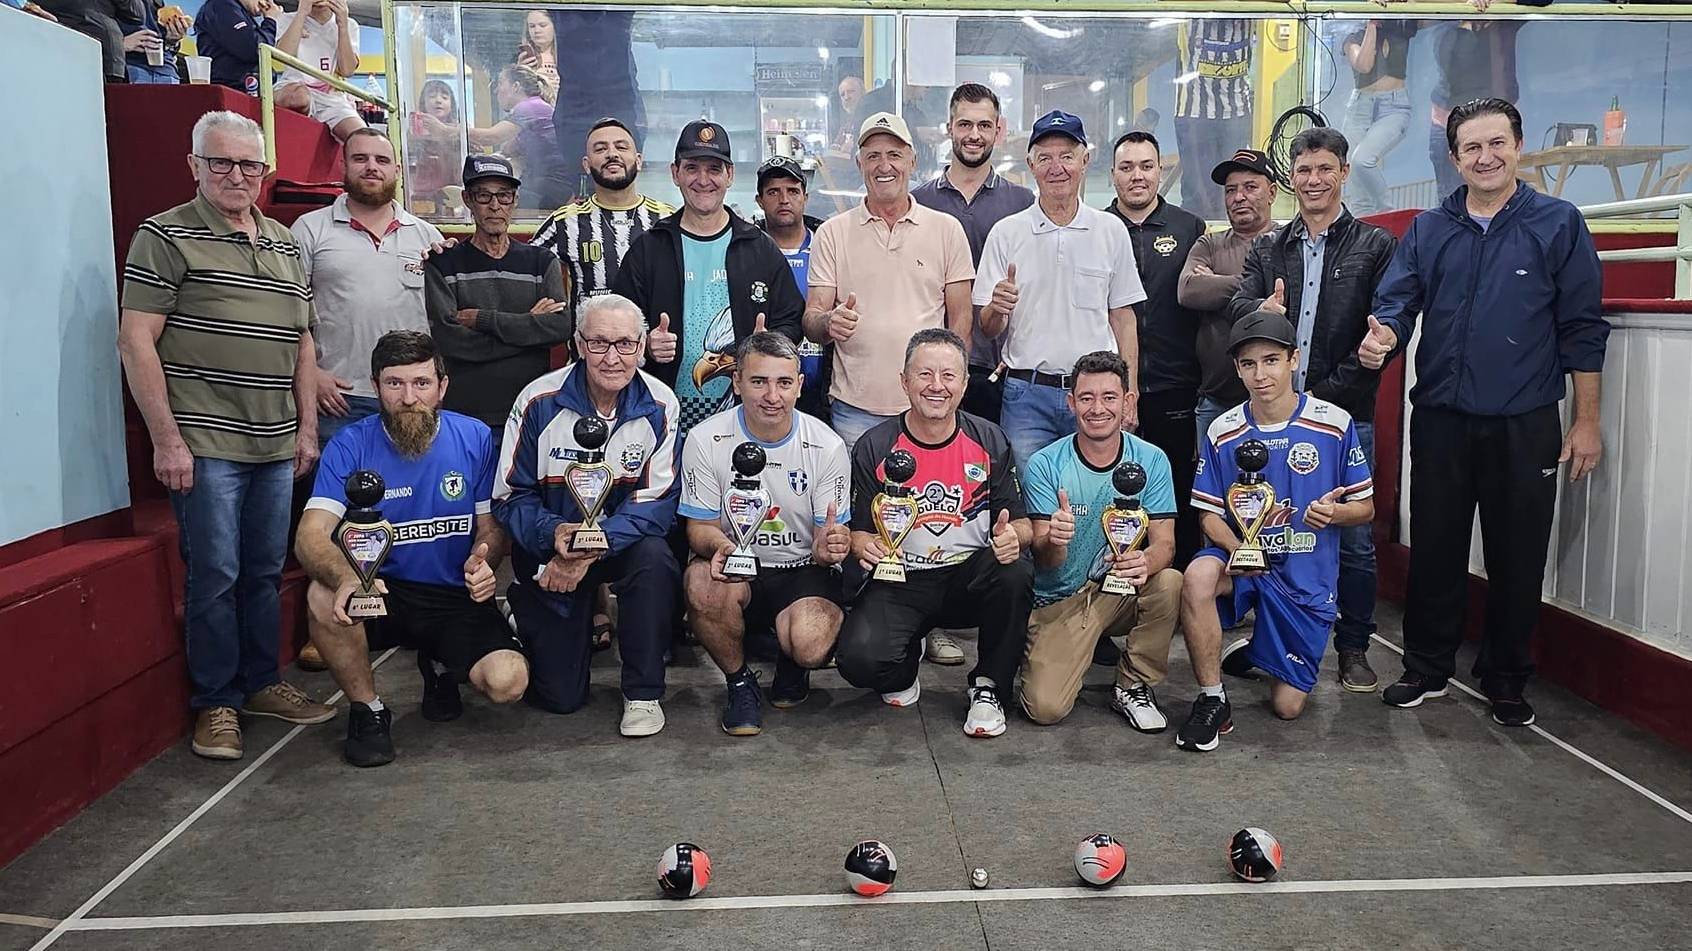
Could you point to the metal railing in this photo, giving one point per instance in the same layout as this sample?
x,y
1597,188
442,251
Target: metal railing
x,y
272,59
1680,254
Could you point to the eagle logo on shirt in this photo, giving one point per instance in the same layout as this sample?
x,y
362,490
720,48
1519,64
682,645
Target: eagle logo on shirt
x,y
718,356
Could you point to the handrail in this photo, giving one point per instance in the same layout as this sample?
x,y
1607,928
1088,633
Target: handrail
x,y
269,58
1680,254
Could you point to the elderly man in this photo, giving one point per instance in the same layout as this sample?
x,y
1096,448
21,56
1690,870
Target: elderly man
x,y
552,595
496,306
1075,265
320,33
222,372
438,467
891,265
963,556
1507,280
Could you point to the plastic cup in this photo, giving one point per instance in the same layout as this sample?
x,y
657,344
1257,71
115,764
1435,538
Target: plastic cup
x,y
155,54
199,69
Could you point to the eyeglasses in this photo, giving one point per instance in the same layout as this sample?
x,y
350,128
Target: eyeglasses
x,y
488,198
625,346
223,166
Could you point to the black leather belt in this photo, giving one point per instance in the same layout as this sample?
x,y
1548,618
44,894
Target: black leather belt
x,y
1059,380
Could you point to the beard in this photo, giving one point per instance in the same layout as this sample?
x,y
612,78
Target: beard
x,y
370,193
412,431
966,162
613,182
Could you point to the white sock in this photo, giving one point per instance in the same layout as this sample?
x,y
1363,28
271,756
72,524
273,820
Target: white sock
x,y
1215,691
375,705
986,682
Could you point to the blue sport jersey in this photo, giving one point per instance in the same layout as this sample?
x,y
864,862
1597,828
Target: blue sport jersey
x,y
1060,466
432,501
810,354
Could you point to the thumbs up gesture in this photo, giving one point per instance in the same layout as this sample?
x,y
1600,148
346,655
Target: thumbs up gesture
x,y
1006,545
1320,514
661,343
833,542
1377,344
758,325
1277,302
478,574
1004,292
1060,531
843,319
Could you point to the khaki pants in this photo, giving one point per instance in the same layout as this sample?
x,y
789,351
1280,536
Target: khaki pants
x,y
1061,637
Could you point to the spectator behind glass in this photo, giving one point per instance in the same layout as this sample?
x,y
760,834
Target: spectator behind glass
x,y
527,101
1379,112
103,20
539,49
150,47
434,141
230,31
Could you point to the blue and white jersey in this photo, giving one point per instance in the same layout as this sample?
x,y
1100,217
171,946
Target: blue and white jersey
x,y
1310,455
810,354
432,501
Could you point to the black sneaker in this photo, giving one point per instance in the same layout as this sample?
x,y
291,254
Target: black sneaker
x,y
441,701
1235,663
744,715
1211,717
1106,653
1355,674
1412,689
1511,711
369,739
791,686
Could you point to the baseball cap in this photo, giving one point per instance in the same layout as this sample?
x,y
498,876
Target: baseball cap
x,y
478,167
1058,122
702,139
780,166
1245,160
1261,325
885,122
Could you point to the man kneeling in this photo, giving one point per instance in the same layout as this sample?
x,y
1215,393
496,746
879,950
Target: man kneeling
x,y
438,581
802,538
1317,466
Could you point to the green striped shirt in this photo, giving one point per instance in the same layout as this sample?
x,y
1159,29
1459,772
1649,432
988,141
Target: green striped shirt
x,y
234,311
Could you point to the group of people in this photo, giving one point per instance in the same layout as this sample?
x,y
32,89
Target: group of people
x,y
997,352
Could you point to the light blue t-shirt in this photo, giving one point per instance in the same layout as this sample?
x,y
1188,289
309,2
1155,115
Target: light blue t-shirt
x,y
707,325
1060,466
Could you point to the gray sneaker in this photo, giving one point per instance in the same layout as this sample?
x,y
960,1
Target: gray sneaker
x,y
1355,674
1139,705
943,650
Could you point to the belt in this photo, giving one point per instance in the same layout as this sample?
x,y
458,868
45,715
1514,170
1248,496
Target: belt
x,y
1059,380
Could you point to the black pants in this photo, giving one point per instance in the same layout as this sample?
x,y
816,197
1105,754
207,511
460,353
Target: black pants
x,y
1507,465
1166,421
983,397
878,646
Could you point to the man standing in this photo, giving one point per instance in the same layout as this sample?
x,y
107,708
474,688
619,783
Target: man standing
x,y
496,306
963,554
802,538
893,264
1212,275
321,34
1075,266
704,277
970,191
783,192
222,373
1321,271
1163,235
552,591
1489,374
230,33
1212,104
1069,485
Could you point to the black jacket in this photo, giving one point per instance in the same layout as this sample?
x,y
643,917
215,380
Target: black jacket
x,y
1353,261
759,282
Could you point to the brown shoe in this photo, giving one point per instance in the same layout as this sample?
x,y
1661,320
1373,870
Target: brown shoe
x,y
284,701
310,660
217,733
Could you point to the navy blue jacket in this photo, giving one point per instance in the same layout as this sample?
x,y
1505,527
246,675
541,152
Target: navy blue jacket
x,y
1508,311
226,32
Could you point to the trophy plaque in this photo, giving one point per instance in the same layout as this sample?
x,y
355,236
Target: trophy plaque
x,y
894,512
1125,522
588,480
744,506
1250,500
365,538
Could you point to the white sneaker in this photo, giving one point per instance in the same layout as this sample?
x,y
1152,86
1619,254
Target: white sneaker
x,y
1139,705
942,650
906,697
986,714
642,717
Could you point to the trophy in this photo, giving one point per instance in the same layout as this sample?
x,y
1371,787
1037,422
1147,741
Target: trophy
x,y
1125,521
1249,501
745,504
894,512
589,480
365,538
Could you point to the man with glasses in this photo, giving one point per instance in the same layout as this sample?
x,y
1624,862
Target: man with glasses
x,y
227,395
552,594
496,306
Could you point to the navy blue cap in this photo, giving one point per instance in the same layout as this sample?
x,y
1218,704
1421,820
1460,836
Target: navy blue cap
x,y
1058,122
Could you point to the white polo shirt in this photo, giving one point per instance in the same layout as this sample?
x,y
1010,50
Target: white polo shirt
x,y
1068,278
362,285
318,45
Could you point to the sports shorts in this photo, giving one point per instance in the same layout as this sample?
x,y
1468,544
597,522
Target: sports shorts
x,y
329,106
442,621
775,589
1288,638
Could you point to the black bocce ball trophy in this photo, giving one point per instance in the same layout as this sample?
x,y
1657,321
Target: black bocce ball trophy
x,y
1250,499
744,505
1125,522
365,538
588,479
894,512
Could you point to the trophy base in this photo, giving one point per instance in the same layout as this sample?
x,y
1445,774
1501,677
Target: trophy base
x,y
366,605
588,539
1115,584
739,565
1249,559
889,569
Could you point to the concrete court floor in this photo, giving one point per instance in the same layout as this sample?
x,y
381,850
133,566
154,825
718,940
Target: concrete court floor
x,y
512,807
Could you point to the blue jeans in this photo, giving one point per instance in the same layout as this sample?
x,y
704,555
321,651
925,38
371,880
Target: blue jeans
x,y
1375,122
358,407
150,75
1033,417
1204,414
1203,144
850,422
1357,569
234,535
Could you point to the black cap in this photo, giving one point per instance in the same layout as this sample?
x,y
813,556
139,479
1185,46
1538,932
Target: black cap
x,y
1261,325
478,167
780,166
1245,160
1058,122
701,139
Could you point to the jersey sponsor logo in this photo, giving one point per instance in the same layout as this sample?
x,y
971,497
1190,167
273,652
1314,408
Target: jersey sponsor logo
x,y
774,532
798,481
938,506
1198,470
397,492
1280,537
592,252
428,529
1164,244
1355,457
1303,458
452,486
633,455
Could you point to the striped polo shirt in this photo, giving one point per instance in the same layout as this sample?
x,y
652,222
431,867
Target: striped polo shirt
x,y
234,311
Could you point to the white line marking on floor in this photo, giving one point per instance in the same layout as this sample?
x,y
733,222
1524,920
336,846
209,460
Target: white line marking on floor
x,y
1567,747
956,896
28,921
59,930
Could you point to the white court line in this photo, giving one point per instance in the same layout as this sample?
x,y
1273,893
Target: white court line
x,y
1566,746
28,921
560,909
59,930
